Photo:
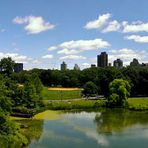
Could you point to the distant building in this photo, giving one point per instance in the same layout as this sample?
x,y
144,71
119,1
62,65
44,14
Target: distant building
x,y
93,65
63,66
134,63
102,60
76,67
144,64
118,63
18,67
110,64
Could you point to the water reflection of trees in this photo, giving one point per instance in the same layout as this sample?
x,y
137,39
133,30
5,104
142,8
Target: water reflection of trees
x,y
32,129
116,120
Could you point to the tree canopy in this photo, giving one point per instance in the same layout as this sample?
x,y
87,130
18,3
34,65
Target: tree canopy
x,y
119,92
90,89
7,65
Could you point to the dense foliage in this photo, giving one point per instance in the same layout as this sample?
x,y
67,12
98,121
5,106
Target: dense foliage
x,y
90,89
119,92
13,96
137,77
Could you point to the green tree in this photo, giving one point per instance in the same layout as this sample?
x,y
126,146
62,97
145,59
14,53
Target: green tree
x,y
38,85
5,100
10,135
119,90
105,76
7,65
30,98
90,89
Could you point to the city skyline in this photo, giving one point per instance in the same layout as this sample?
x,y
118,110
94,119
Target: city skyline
x,y
102,61
42,34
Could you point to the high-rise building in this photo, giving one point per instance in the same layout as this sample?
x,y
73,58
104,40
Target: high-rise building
x,y
110,64
118,63
76,67
18,67
93,65
134,62
63,66
102,60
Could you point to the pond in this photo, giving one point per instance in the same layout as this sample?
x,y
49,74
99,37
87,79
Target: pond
x,y
111,128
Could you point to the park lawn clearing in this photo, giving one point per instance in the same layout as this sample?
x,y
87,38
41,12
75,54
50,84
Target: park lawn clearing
x,y
138,103
61,93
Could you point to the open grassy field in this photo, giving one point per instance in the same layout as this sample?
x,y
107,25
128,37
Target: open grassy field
x,y
138,103
61,93
75,93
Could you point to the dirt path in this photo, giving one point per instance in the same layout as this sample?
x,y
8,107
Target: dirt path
x,y
64,89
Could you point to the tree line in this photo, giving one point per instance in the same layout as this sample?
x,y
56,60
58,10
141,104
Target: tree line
x,y
101,77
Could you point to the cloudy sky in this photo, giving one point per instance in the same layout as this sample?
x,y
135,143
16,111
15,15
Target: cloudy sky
x,y
43,33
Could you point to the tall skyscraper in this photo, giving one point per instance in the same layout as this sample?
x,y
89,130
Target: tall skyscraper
x,y
63,66
134,63
18,67
76,67
118,63
102,60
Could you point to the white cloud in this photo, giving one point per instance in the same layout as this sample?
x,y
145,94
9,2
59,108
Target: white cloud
x,y
137,38
52,48
66,51
85,44
34,24
98,23
16,57
86,65
103,24
73,57
137,26
74,47
112,26
20,20
36,61
48,56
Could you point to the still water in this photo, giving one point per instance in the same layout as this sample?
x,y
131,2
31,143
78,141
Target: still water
x,y
114,128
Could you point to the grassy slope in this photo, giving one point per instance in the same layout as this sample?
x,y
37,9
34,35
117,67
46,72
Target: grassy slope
x,y
60,94
138,103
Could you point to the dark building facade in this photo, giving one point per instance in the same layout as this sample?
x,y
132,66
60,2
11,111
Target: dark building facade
x,y
135,62
63,66
102,60
18,67
93,65
76,67
118,63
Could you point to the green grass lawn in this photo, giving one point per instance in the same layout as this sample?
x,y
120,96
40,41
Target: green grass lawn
x,y
60,94
133,103
79,104
138,103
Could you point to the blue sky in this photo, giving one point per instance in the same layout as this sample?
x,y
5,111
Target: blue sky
x,y
43,33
